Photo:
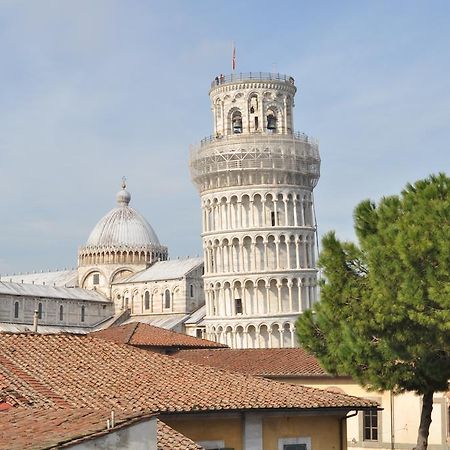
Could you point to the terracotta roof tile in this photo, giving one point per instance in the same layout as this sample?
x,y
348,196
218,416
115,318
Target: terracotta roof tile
x,y
261,362
169,439
87,372
32,428
142,334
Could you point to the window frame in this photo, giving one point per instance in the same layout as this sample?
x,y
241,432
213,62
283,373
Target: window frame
x,y
146,300
293,441
167,298
370,442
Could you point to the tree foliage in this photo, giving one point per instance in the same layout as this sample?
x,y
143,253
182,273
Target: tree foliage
x,y
384,314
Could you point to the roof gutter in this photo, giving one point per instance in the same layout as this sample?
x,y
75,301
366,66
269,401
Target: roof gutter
x,y
342,424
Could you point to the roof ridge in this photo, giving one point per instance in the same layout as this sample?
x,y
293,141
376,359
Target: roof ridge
x,y
132,332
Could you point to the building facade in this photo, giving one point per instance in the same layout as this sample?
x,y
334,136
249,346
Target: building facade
x,y
256,178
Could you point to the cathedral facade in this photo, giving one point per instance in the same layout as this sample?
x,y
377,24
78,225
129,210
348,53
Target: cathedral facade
x,y
256,178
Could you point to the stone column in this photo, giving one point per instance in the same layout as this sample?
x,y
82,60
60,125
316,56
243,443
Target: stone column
x,y
292,336
279,296
297,257
290,284
286,217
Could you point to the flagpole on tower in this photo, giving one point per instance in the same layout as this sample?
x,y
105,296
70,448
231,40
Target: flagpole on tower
x,y
233,57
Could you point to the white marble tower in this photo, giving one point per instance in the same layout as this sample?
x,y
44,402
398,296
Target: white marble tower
x,y
256,176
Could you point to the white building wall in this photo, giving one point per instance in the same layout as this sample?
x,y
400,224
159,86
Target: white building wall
x,y
140,436
94,312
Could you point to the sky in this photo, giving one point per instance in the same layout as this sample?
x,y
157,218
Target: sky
x,y
93,90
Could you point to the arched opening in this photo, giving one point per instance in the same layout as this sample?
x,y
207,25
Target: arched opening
x,y
167,299
271,118
147,300
236,122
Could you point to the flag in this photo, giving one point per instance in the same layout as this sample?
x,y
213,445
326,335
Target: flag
x,y
233,58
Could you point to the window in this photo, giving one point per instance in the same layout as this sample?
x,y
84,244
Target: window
x,y
16,310
147,300
198,333
83,313
61,312
213,445
238,305
167,299
294,443
96,278
272,218
370,425
191,289
40,311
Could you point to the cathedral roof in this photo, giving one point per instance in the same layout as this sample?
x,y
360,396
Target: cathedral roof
x,y
164,270
123,226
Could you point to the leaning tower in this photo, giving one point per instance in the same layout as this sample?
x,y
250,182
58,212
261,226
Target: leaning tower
x,y
256,177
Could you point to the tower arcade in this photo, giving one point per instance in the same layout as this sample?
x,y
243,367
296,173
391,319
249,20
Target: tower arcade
x,y
255,176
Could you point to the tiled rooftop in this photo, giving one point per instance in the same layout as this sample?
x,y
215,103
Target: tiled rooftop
x,y
261,362
142,334
35,429
76,371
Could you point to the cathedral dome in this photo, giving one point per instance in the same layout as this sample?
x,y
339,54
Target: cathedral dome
x,y
122,227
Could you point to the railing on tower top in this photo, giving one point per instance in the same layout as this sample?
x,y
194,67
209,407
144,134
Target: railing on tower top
x,y
258,76
298,136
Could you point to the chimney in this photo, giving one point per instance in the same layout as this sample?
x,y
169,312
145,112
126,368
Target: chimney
x,y
35,321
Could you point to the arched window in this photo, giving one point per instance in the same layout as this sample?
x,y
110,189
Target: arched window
x,y
147,300
236,122
271,120
83,313
61,312
40,311
191,290
167,299
16,310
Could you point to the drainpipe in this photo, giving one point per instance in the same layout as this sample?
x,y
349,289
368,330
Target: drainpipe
x,y
342,421
391,398
35,321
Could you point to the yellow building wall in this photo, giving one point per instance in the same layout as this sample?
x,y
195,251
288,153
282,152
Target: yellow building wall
x,y
406,413
198,428
323,431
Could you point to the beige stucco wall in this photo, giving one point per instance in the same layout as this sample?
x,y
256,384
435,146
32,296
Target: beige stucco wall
x,y
200,428
323,431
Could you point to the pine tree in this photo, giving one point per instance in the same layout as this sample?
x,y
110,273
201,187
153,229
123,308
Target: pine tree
x,y
384,314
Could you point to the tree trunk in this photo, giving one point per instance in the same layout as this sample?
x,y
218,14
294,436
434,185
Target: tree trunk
x,y
425,421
